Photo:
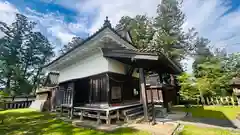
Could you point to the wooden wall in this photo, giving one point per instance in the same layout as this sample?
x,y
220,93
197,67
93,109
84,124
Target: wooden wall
x,y
127,84
82,91
94,89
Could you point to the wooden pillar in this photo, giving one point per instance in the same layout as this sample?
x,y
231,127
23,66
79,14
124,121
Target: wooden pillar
x,y
108,89
72,99
108,121
143,93
98,118
165,103
153,109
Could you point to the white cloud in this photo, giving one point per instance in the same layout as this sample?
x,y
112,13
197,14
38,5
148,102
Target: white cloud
x,y
116,9
207,16
51,24
7,13
210,20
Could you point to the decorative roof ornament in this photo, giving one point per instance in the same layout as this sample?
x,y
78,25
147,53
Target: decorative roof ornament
x,y
107,22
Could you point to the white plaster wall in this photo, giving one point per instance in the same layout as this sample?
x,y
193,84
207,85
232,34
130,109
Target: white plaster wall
x,y
91,65
119,67
116,66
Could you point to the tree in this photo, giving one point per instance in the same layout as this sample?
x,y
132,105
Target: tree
x,y
212,78
75,41
169,36
164,33
188,90
231,64
201,54
22,55
37,52
140,28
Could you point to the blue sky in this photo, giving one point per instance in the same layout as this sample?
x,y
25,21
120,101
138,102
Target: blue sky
x,y
60,20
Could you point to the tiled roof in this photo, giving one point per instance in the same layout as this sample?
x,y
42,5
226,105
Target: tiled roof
x,y
106,25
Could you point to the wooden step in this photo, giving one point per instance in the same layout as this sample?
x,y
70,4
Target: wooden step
x,y
132,110
129,117
134,114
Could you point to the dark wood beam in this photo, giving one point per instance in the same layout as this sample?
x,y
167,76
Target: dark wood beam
x,y
143,93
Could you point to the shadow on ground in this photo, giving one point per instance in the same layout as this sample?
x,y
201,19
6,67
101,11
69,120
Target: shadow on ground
x,y
207,116
35,123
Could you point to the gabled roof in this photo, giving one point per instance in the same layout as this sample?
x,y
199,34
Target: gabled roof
x,y
89,38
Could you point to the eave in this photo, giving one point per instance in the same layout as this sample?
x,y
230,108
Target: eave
x,y
151,61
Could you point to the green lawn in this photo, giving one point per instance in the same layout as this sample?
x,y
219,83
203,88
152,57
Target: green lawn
x,y
30,122
193,130
217,112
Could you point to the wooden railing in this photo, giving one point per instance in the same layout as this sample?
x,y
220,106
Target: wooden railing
x,y
16,102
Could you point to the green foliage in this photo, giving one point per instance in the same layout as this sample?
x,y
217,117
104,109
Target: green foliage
x,y
212,79
23,52
201,54
213,70
214,112
2,94
214,73
197,130
188,90
140,28
162,33
169,34
231,64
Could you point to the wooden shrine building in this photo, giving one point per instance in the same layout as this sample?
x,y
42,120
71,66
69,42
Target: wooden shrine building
x,y
103,77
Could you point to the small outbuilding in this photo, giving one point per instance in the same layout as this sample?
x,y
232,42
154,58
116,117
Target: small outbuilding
x,y
235,84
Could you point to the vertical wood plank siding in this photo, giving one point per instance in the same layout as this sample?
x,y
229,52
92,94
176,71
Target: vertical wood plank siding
x,y
97,89
127,84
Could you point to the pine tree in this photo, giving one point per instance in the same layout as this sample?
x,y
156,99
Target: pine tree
x,y
169,37
201,54
22,54
140,28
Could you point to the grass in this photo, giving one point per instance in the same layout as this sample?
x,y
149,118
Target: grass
x,y
30,122
194,130
216,112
